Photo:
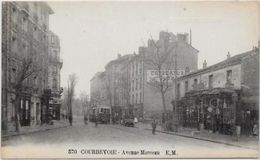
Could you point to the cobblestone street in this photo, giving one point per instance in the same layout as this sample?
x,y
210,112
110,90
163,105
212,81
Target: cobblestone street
x,y
81,136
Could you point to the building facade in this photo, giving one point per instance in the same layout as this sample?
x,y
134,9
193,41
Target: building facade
x,y
98,94
117,86
25,29
221,96
54,68
145,98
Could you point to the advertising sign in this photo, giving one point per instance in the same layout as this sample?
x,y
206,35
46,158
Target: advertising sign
x,y
153,75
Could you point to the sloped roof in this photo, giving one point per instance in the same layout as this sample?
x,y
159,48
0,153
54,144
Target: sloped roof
x,y
228,62
98,74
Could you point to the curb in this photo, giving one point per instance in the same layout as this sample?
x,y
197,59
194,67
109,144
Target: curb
x,y
31,132
204,139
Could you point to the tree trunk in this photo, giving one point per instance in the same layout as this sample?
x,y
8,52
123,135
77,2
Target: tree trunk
x,y
17,104
164,107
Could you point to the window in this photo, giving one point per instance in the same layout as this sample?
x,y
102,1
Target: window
x,y
54,85
52,39
136,98
13,76
35,81
178,91
140,100
133,69
14,43
186,86
14,10
133,99
25,24
136,84
229,76
140,67
195,81
136,68
133,85
14,18
141,83
210,81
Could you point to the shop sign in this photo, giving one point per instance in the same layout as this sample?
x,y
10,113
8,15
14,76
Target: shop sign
x,y
55,101
170,75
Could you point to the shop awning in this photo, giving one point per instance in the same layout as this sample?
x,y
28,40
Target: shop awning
x,y
213,91
251,99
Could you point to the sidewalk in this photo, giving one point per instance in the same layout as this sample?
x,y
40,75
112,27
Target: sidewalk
x,y
36,128
244,141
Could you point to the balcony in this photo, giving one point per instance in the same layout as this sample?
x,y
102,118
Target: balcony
x,y
57,60
229,85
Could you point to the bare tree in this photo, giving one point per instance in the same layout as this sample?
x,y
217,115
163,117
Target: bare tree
x,y
65,101
71,93
26,68
159,59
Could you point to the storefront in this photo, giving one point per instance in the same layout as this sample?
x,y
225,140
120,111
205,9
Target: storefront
x,y
215,110
25,110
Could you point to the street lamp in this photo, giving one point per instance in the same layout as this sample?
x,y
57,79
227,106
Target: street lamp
x,y
237,126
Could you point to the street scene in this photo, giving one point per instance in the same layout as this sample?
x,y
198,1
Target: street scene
x,y
90,136
80,80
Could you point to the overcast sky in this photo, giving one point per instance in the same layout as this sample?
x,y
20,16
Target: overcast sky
x,y
93,33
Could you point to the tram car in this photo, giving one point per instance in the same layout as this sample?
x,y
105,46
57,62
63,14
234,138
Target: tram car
x,y
101,113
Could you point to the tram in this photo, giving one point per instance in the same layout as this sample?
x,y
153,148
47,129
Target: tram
x,y
101,113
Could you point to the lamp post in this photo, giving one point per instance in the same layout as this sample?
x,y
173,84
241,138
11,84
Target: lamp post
x,y
236,126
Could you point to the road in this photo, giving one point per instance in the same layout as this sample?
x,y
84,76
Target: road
x,y
57,142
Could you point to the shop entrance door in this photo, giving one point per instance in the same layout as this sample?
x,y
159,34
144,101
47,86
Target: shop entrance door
x,y
25,114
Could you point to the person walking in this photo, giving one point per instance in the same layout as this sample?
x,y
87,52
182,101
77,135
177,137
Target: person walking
x,y
70,119
86,119
153,126
96,120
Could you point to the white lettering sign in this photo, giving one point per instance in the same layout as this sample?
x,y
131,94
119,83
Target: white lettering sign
x,y
170,75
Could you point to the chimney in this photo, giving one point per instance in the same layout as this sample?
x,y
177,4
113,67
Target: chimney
x,y
118,55
183,37
204,64
187,70
228,55
141,50
150,43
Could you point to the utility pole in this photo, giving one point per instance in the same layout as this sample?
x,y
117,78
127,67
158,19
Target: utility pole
x,y
176,116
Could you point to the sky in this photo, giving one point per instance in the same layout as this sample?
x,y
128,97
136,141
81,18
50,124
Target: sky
x,y
93,33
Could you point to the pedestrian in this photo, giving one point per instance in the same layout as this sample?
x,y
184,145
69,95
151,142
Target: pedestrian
x,y
135,120
86,119
153,126
70,119
255,129
96,120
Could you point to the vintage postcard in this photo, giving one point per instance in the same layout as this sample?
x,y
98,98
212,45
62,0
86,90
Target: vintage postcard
x,y
130,79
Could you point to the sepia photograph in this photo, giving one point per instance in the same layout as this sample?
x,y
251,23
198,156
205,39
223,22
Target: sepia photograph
x,y
130,79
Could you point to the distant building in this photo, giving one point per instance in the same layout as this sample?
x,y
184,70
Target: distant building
x,y
54,68
221,96
98,89
145,99
117,85
25,29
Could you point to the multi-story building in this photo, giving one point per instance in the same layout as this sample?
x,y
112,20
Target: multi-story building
x,y
54,67
98,92
117,85
221,96
25,29
145,97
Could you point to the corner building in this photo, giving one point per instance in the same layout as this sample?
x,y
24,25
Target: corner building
x,y
25,30
144,99
222,96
